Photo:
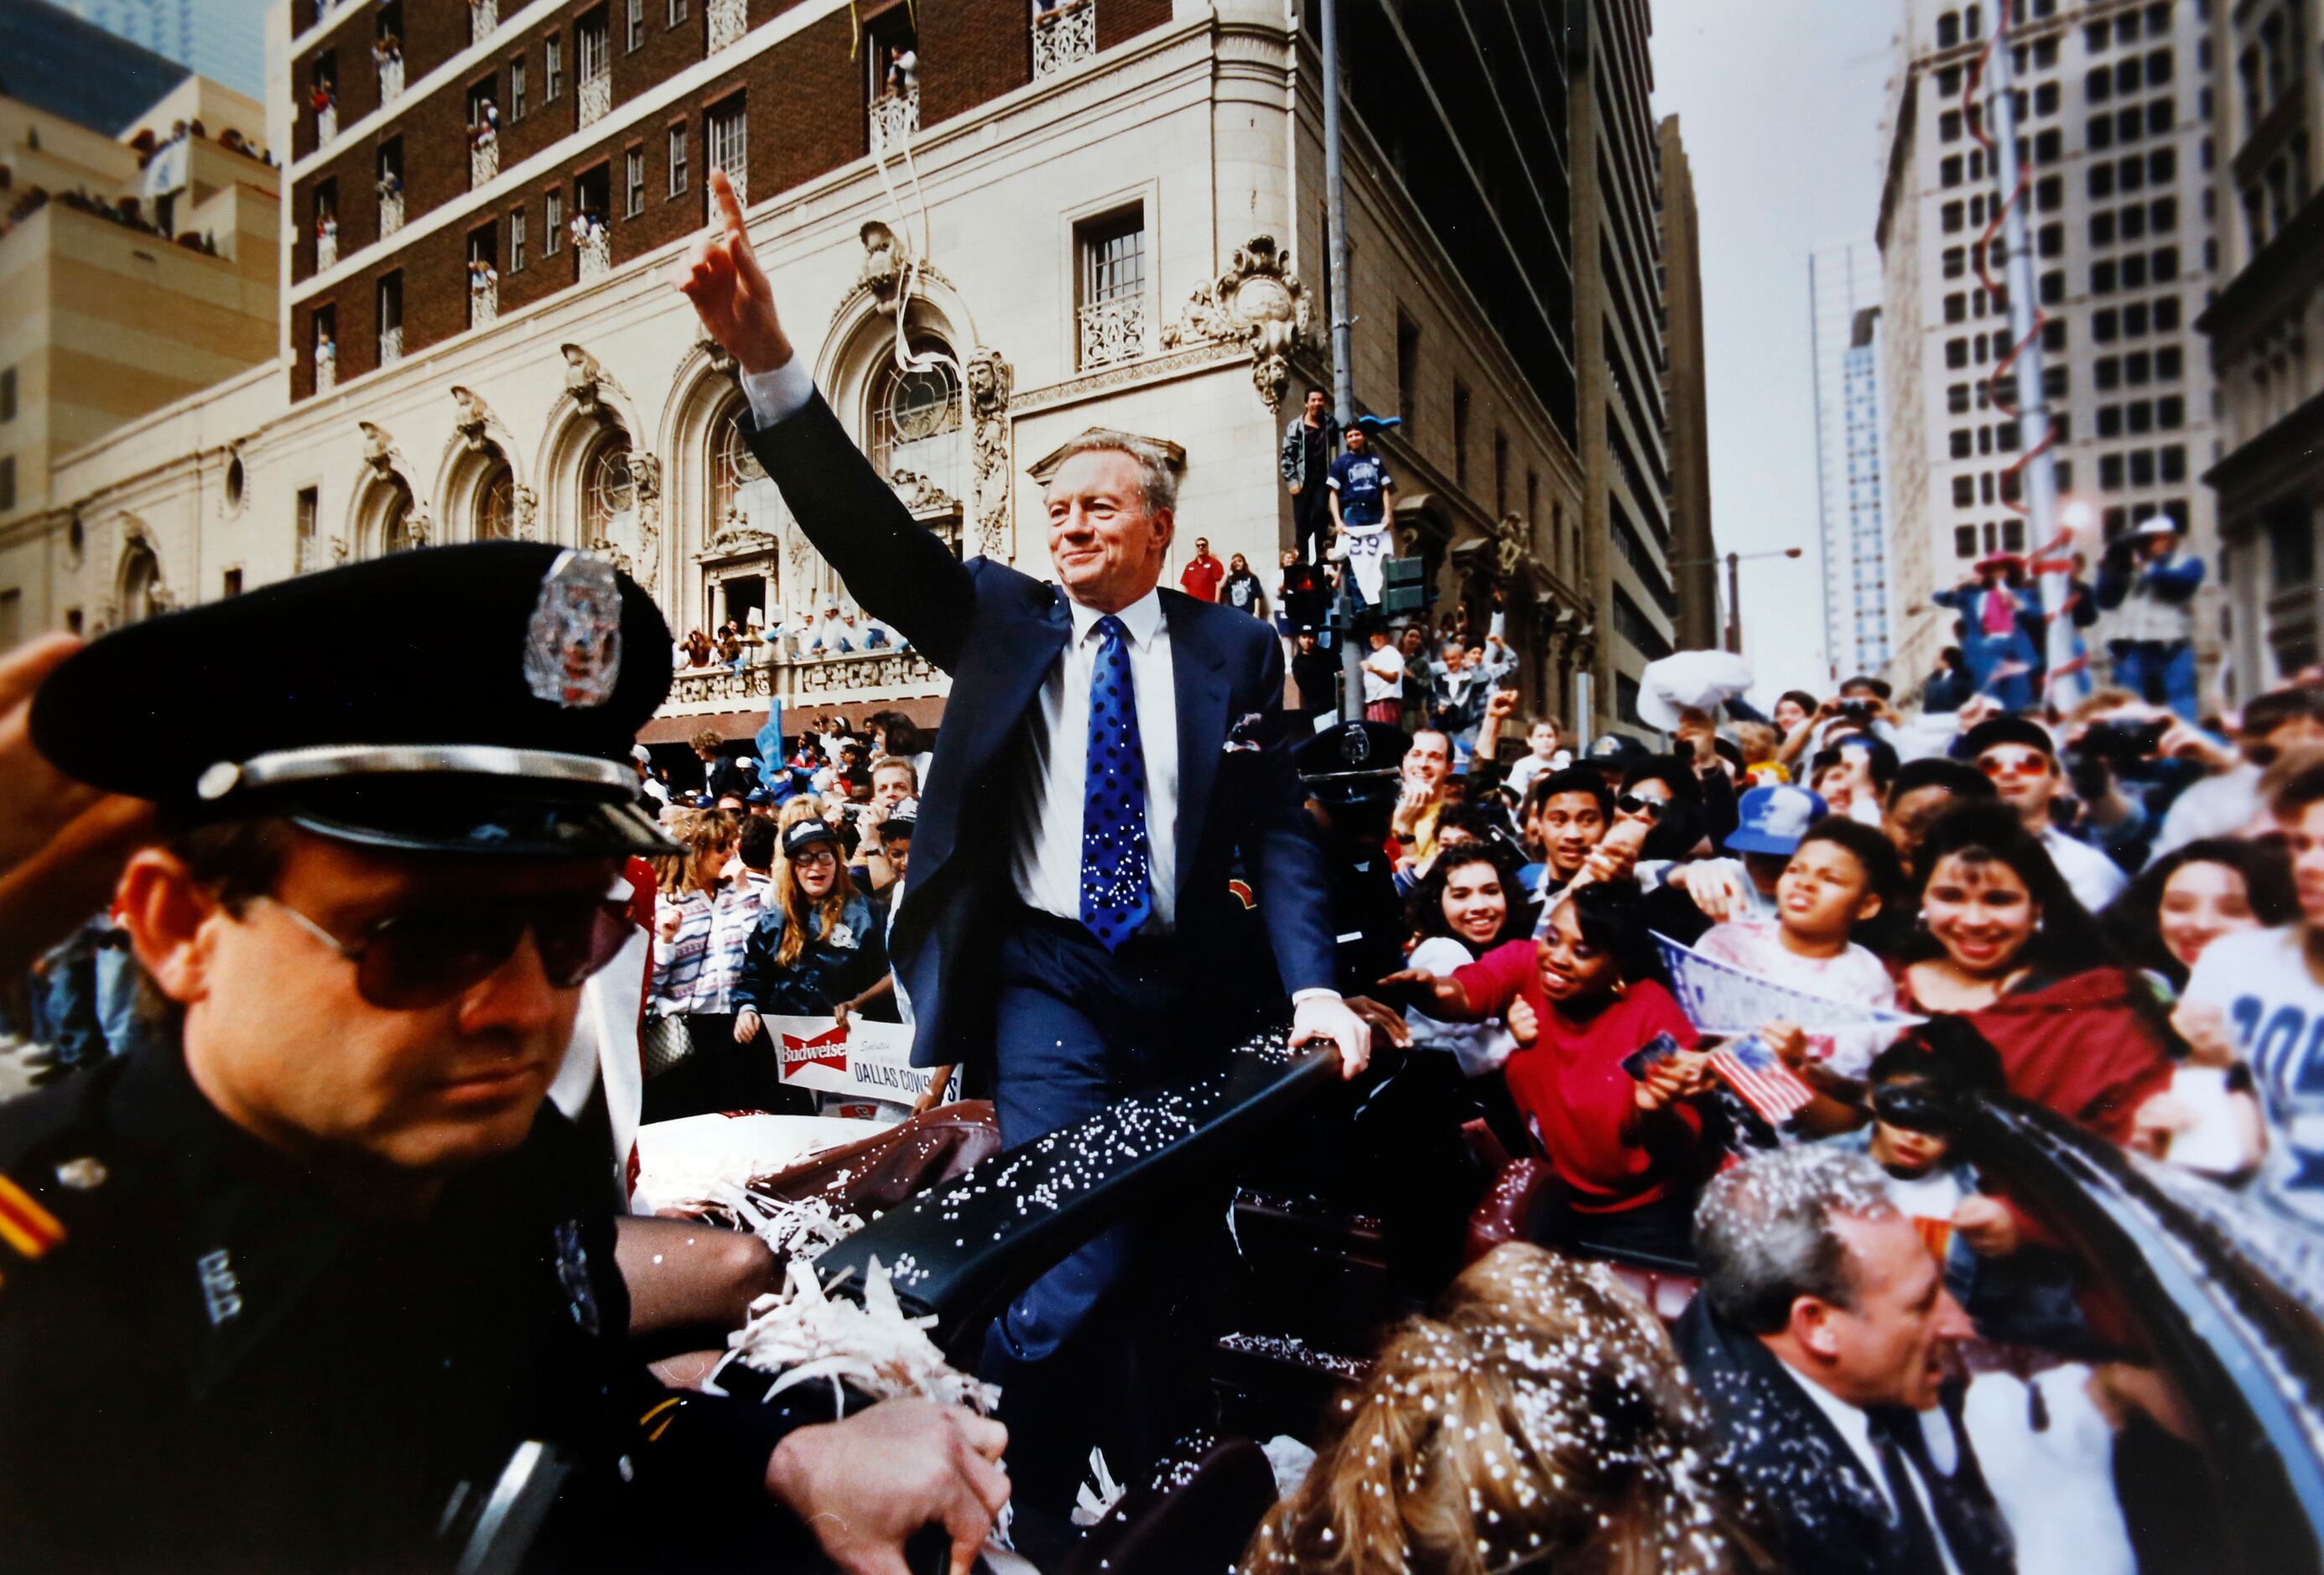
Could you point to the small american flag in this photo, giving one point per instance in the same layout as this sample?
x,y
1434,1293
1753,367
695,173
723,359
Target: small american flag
x,y
1766,1084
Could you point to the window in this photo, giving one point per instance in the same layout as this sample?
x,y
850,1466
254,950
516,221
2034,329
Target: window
x,y
2166,264
633,183
2106,372
2141,467
2013,535
1956,308
2133,222
2131,173
2053,334
2045,98
1956,353
2134,271
1962,440
2168,364
1956,261
1957,399
1949,82
2158,69
309,512
2098,85
916,421
1500,473
1950,217
2065,466
1111,285
7,393
2125,77
2166,313
2099,133
552,224
2105,324
552,69
2102,278
2054,288
230,582
1948,126
1407,370
516,240
2160,114
1948,30
1964,541
2110,473
8,483
516,89
1964,492
726,138
2047,147
2110,421
2163,215
2102,228
2102,181
2050,194
677,161
1949,171
2163,166
637,26
677,11
2140,416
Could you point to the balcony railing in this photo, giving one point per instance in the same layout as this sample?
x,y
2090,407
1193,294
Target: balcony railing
x,y
483,15
769,675
894,119
729,21
327,368
391,212
483,301
596,97
596,250
1064,37
391,345
391,79
483,160
1113,331
327,247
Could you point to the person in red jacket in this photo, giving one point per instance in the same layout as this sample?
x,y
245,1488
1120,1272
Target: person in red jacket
x,y
1202,572
1630,1149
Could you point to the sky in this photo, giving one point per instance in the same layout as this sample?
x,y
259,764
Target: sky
x,y
1779,106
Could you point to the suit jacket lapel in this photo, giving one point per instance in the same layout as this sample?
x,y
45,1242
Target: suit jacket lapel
x,y
1195,672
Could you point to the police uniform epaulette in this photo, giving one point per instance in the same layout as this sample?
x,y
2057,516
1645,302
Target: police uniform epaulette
x,y
52,1166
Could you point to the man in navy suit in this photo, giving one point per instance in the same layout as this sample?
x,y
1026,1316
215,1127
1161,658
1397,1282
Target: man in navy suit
x,y
1111,754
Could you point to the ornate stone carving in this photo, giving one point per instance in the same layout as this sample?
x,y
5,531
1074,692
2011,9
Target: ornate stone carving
x,y
476,422
990,382
419,529
645,481
527,508
586,383
883,259
338,549
1257,302
379,455
876,670
920,495
715,354
1512,549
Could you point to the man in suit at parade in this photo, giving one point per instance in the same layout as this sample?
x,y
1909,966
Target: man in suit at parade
x,y
1111,755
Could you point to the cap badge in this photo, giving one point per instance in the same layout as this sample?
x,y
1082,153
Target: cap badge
x,y
573,646
1355,747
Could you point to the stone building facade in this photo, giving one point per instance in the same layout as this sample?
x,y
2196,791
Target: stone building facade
x,y
2115,118
1694,562
1109,215
2266,326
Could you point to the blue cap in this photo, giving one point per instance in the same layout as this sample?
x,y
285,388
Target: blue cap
x,y
1775,819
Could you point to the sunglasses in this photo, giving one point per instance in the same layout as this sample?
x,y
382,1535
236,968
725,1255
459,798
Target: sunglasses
x,y
408,962
2028,764
1631,804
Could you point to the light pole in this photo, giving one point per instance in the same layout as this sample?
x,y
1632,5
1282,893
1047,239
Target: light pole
x,y
1735,560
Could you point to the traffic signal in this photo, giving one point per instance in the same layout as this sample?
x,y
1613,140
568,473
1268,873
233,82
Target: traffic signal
x,y
1404,587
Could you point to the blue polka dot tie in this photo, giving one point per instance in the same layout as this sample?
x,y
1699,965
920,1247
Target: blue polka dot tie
x,y
1117,884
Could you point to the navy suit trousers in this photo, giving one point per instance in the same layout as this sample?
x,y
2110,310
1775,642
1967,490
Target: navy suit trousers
x,y
1076,1029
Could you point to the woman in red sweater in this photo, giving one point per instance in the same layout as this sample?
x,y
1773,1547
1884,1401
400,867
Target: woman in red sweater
x,y
1630,1150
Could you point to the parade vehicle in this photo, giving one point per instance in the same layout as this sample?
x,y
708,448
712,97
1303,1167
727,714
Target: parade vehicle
x,y
2177,1423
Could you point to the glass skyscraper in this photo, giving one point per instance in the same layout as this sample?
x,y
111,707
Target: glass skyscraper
x,y
1844,324
223,40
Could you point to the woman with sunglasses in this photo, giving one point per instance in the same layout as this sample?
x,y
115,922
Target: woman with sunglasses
x,y
819,942
2003,942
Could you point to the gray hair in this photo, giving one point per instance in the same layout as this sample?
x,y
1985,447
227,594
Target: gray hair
x,y
1157,471
1764,1235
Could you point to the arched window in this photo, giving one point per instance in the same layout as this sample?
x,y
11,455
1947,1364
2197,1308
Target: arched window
x,y
141,575
496,503
608,490
395,519
916,419
737,482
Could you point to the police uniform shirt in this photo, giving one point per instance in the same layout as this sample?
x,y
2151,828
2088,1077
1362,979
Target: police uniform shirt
x,y
206,1363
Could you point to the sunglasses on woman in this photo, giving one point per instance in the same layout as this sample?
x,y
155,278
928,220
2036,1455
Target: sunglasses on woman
x,y
1631,804
408,962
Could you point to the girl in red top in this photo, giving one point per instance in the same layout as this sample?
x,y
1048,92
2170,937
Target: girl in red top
x,y
1631,1151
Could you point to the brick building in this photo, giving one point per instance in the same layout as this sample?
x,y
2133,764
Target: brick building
x,y
1108,214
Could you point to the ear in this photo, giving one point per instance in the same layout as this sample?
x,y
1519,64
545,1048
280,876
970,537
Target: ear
x,y
1812,1326
1166,526
166,915
1867,908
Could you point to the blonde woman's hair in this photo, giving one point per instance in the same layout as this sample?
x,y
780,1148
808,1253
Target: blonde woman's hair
x,y
699,831
1540,1420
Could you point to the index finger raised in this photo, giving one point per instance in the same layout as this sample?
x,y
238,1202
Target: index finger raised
x,y
729,209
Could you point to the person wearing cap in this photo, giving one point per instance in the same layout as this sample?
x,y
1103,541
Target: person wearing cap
x,y
315,1266
1353,773
1773,821
819,942
1111,750
2019,757
2149,586
1999,629
1316,674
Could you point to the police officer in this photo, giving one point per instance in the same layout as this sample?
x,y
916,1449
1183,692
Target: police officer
x,y
314,1279
1350,774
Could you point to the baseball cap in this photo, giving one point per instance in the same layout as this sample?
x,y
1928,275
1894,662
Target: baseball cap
x,y
806,834
1774,818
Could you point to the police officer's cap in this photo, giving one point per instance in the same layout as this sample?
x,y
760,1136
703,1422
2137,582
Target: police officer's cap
x,y
476,698
1618,748
1352,761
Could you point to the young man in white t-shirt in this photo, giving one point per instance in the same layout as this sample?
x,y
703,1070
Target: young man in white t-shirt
x,y
2268,986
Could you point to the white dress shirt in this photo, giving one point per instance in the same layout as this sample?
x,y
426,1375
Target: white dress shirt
x,y
1045,842
1855,1428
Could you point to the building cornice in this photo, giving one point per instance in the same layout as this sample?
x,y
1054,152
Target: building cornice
x,y
2291,259
2284,455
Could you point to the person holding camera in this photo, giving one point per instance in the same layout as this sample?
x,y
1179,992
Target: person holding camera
x,y
2149,585
2000,628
